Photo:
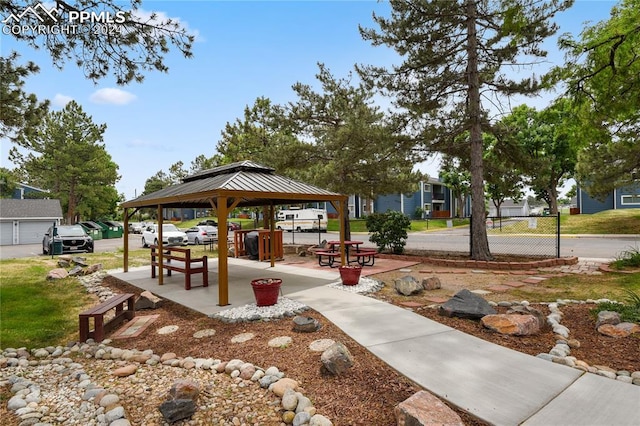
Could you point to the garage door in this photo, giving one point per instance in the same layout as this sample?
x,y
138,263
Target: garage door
x,y
31,232
6,233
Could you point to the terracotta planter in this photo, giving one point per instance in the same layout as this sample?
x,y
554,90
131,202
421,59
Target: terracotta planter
x,y
266,290
350,275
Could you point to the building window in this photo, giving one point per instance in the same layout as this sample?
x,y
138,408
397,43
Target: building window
x,y
631,199
427,187
427,208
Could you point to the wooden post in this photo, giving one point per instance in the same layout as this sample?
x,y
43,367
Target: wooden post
x,y
160,247
272,235
223,251
126,240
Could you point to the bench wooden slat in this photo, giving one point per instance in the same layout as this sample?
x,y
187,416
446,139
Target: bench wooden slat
x,y
188,269
97,313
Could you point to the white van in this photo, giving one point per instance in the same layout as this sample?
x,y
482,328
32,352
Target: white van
x,y
302,220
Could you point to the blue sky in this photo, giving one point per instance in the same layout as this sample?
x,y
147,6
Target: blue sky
x,y
244,50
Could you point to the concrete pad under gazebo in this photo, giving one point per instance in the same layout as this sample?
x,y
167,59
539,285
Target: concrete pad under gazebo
x,y
224,188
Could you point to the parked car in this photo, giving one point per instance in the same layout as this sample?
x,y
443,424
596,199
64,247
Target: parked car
x,y
136,227
231,226
202,234
171,235
72,238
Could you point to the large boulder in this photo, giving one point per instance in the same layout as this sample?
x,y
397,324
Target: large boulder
x,y
512,324
607,317
336,360
147,300
408,285
465,304
422,409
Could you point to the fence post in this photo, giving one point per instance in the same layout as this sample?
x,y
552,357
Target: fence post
x,y
558,234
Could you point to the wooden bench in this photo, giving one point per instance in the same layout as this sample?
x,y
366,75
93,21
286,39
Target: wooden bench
x,y
98,312
187,268
366,257
330,255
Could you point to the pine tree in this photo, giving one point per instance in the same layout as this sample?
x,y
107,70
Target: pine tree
x,y
453,52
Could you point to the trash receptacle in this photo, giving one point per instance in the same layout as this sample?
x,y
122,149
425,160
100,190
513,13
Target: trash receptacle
x,y
251,245
93,229
56,247
111,229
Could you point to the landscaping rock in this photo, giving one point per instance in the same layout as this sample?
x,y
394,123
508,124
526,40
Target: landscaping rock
x,y
172,411
408,285
607,317
57,274
336,360
431,283
303,324
147,300
465,304
512,324
425,409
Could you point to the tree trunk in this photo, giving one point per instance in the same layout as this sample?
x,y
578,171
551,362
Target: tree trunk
x,y
480,246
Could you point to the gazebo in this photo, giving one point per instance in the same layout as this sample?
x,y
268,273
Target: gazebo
x,y
224,188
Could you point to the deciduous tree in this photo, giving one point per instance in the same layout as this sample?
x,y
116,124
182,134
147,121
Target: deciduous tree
x,y
453,52
602,75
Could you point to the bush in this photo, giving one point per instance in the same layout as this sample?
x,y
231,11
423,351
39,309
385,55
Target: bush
x,y
389,230
629,311
628,258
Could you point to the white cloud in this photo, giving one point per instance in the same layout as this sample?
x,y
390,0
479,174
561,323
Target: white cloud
x,y
112,96
146,16
61,100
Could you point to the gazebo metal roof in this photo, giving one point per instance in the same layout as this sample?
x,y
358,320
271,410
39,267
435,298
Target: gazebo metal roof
x,y
248,183
224,188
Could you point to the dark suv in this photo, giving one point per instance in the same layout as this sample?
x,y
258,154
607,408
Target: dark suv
x,y
73,239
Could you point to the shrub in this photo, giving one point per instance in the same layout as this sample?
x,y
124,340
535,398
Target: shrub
x,y
628,258
389,230
629,311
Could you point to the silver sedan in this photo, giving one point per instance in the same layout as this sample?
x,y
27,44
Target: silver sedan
x,y
202,234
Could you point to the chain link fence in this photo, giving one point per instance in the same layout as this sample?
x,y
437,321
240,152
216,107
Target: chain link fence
x,y
524,235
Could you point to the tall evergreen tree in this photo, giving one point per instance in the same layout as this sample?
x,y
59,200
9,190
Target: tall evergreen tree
x,y
355,148
454,51
66,155
20,110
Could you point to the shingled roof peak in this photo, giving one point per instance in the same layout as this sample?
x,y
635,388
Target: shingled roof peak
x,y
227,169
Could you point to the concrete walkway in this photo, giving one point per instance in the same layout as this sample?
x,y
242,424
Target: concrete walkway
x,y
496,384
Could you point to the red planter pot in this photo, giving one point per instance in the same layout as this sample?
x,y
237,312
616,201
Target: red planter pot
x,y
350,275
266,290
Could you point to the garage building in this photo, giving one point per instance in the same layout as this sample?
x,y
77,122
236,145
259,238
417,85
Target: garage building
x,y
26,221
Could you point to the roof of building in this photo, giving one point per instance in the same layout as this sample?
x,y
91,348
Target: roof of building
x,y
249,183
30,209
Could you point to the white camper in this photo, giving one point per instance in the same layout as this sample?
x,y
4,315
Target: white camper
x,y
302,220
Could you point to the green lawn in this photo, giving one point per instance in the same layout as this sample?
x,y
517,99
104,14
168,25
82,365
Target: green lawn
x,y
625,221
35,312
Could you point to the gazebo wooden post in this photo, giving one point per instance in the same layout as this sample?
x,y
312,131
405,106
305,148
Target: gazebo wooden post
x,y
126,240
160,247
272,235
341,214
223,264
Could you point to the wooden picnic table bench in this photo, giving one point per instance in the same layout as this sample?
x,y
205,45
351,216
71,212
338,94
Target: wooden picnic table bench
x,y
98,312
187,268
